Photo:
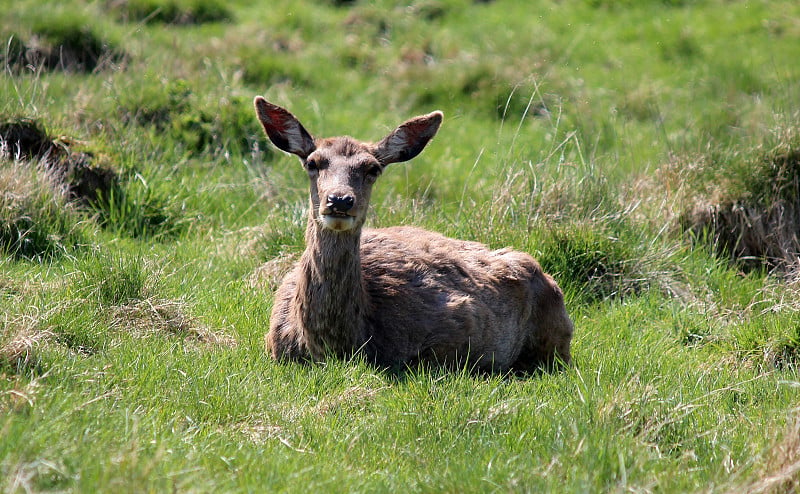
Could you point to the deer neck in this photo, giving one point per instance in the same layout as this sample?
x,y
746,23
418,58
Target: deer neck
x,y
331,300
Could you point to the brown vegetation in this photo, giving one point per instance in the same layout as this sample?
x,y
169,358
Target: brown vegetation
x,y
148,317
781,474
20,351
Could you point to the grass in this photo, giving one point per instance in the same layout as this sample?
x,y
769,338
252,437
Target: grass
x,y
587,133
173,12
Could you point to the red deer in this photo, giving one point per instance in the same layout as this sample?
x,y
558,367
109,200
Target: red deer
x,y
402,295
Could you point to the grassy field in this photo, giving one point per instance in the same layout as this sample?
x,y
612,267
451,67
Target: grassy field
x,y
646,152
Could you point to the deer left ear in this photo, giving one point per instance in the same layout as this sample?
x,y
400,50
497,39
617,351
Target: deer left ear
x,y
409,139
283,128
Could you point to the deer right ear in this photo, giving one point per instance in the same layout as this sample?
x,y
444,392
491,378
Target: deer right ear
x,y
409,139
283,129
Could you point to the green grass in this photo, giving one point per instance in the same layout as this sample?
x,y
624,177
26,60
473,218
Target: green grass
x,y
174,12
583,132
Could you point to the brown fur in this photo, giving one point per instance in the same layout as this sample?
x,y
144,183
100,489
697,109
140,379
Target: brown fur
x,y
403,295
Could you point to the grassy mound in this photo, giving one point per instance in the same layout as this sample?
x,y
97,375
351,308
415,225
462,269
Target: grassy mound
x,y
49,185
73,172
36,220
197,127
177,12
42,182
68,44
756,221
591,266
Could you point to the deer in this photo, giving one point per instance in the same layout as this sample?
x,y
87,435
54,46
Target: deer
x,y
402,296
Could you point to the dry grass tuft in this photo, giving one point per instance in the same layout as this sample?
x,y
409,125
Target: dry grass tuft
x,y
781,473
21,186
32,215
31,476
21,396
269,275
352,398
19,352
260,432
658,198
779,295
143,318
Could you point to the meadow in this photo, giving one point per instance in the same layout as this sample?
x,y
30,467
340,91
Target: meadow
x,y
647,153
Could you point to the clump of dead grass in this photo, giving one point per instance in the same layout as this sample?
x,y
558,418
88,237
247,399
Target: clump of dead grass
x,y
25,336
20,396
36,220
30,336
781,472
20,352
752,234
260,432
149,317
269,274
351,399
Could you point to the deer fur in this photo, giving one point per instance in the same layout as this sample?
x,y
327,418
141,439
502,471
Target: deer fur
x,y
402,295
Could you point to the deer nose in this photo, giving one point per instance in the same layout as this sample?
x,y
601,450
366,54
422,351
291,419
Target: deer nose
x,y
340,204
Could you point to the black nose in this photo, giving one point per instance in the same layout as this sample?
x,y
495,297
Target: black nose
x,y
340,204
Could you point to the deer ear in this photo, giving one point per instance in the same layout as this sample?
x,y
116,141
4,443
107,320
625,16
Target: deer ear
x,y
283,129
409,139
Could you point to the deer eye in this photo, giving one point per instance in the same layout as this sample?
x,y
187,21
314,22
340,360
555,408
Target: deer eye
x,y
374,171
312,165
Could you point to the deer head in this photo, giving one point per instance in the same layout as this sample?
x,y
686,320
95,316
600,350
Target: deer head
x,y
342,170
